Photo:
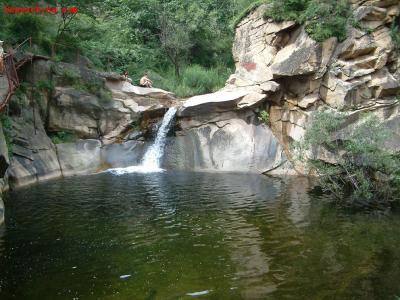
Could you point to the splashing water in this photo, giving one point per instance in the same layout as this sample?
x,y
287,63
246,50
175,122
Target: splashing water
x,y
152,159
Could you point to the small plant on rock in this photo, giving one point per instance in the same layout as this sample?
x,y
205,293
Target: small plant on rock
x,y
6,124
264,117
62,137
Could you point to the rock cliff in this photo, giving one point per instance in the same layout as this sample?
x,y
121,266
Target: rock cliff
x,y
357,75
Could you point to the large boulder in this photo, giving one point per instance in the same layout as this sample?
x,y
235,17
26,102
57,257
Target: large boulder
x,y
80,158
256,44
123,155
300,57
238,144
34,155
137,91
89,156
221,101
149,103
87,115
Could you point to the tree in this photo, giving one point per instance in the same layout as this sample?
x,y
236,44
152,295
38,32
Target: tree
x,y
175,41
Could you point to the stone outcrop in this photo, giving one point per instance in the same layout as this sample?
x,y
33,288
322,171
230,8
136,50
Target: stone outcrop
x,y
80,158
225,141
86,115
34,154
357,75
222,101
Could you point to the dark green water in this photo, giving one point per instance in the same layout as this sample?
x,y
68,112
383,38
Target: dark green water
x,y
226,236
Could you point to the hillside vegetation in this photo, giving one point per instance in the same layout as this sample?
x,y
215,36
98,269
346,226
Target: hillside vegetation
x,y
183,44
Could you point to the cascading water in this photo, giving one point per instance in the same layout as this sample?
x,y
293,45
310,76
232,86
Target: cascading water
x,y
151,161
152,158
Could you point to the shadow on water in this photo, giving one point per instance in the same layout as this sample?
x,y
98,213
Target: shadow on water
x,y
177,235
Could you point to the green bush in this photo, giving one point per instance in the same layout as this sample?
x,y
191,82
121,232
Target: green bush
x,y
323,19
264,116
62,137
283,10
395,34
195,80
246,12
6,124
45,85
69,77
365,174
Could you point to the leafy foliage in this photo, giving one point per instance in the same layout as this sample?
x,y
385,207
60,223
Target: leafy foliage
x,y
395,33
132,35
322,18
247,11
195,80
6,124
62,137
364,174
264,116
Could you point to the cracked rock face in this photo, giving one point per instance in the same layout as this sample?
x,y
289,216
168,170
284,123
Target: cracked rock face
x,y
359,74
230,141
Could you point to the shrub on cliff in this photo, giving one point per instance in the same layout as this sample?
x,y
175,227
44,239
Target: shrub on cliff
x,y
363,172
322,18
6,125
395,33
194,80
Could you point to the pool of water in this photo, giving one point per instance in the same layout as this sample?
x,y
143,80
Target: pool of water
x,y
178,235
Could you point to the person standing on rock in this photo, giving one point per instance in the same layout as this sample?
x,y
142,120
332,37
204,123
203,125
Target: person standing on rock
x,y
145,81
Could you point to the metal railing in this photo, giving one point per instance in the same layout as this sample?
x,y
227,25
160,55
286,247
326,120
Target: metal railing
x,y
12,61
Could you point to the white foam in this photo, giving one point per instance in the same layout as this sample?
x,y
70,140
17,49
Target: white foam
x,y
134,169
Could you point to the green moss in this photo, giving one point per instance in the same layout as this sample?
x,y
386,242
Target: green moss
x,y
62,137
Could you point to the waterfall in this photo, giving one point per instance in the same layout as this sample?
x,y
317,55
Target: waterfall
x,y
152,158
151,161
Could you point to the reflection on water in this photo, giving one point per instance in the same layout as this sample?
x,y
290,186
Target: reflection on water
x,y
178,235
